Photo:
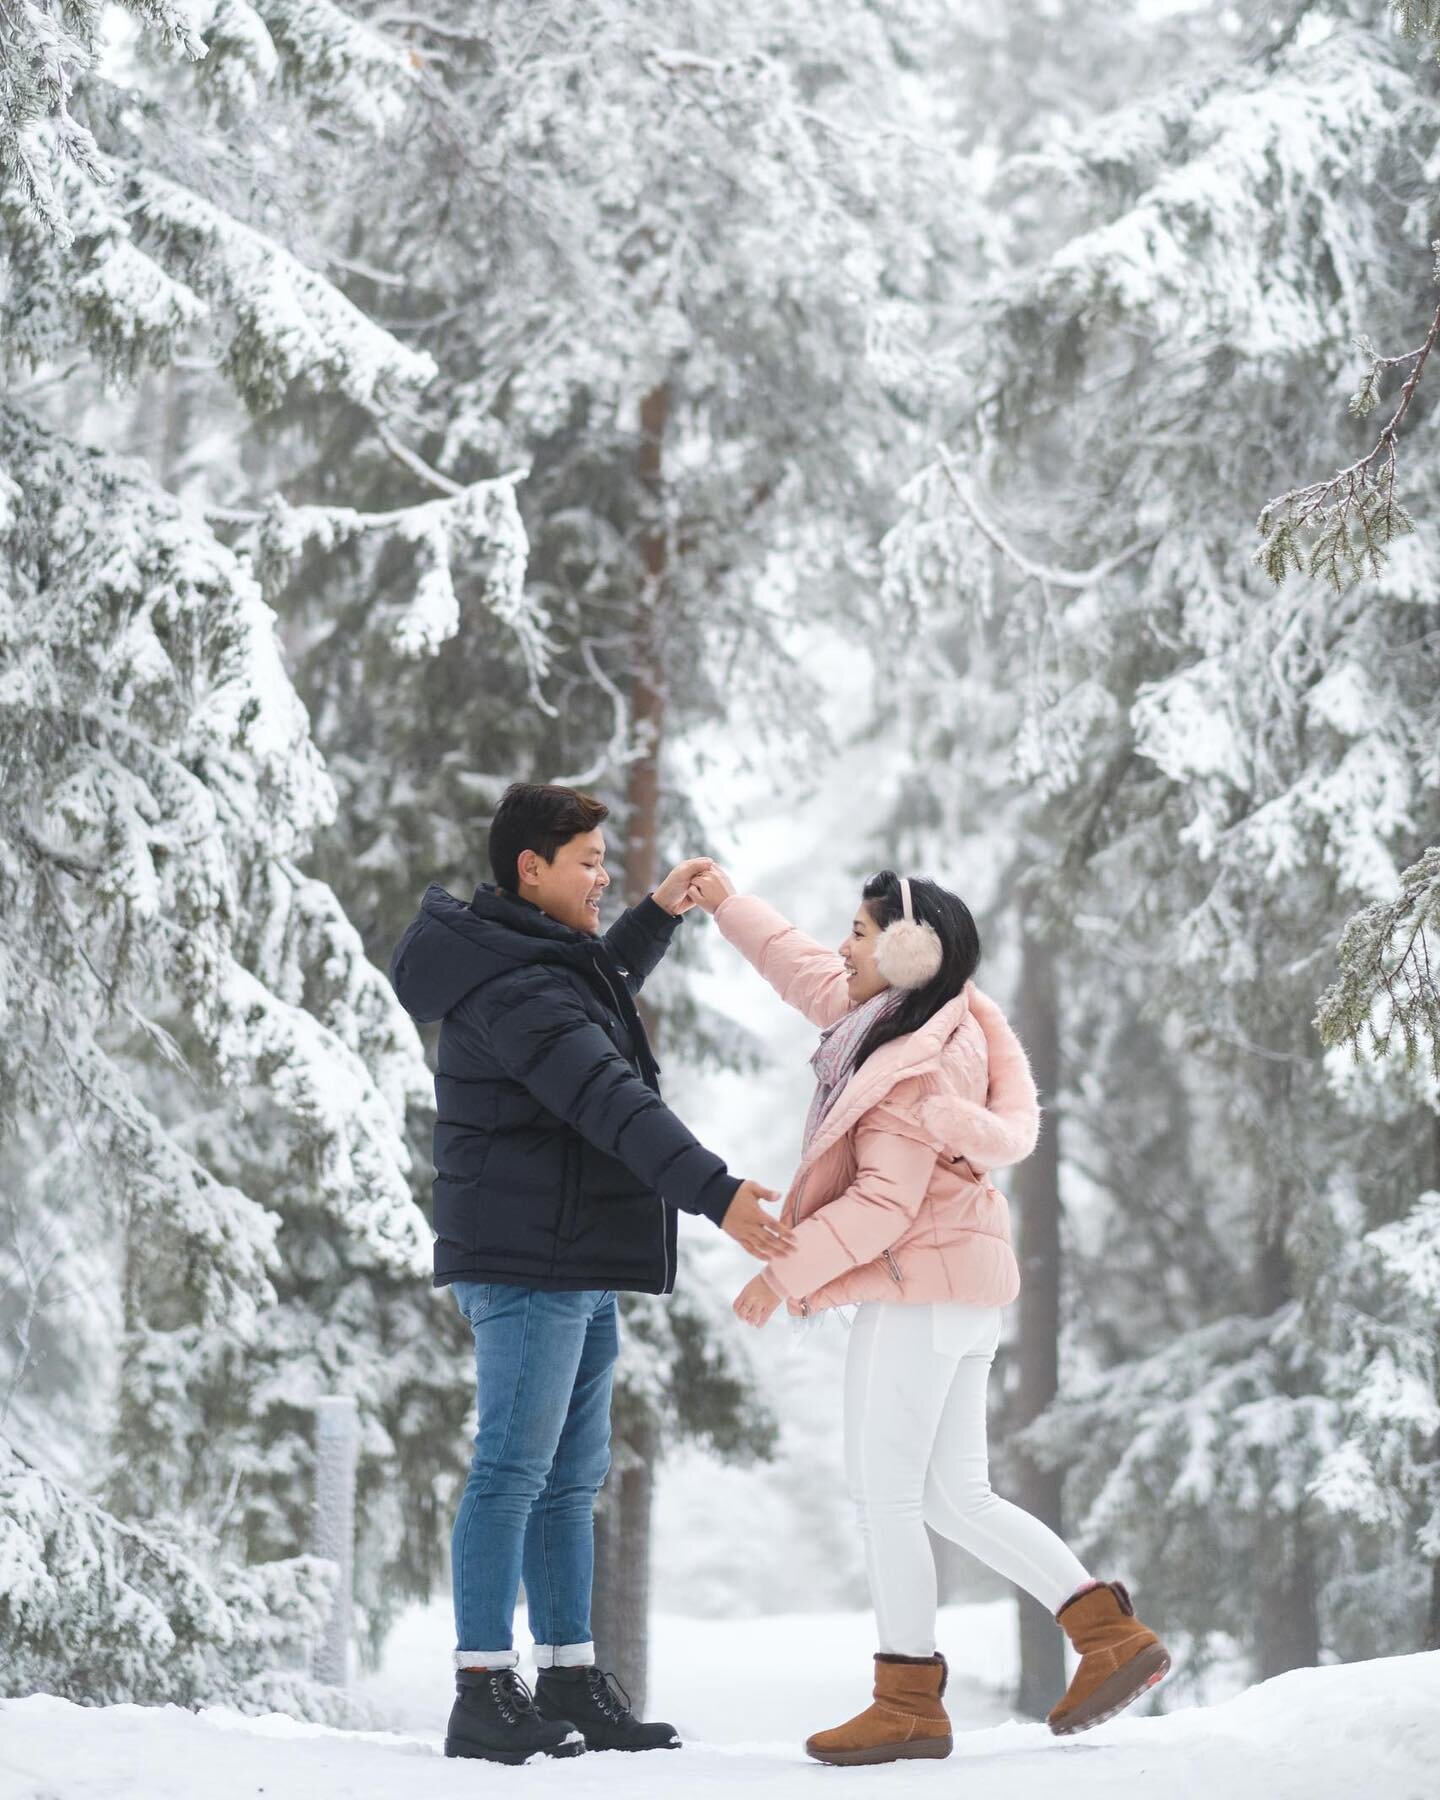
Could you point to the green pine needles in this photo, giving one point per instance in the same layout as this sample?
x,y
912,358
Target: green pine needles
x,y
1340,528
1387,981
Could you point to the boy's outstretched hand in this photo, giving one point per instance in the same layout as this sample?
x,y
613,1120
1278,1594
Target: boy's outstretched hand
x,y
752,1227
674,892
756,1301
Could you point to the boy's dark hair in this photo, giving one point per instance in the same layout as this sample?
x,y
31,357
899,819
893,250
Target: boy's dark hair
x,y
538,817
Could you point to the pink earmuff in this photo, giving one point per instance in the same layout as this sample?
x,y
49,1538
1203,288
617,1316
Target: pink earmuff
x,y
908,953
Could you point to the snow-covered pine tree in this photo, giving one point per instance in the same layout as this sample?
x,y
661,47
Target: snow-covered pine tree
x,y
205,1083
1227,774
1341,527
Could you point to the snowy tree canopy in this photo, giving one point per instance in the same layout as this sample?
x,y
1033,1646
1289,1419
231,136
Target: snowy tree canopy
x,y
216,1076
1217,776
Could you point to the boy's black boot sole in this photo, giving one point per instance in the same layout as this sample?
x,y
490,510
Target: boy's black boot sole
x,y
484,1752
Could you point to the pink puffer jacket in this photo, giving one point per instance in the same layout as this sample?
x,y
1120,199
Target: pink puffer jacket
x,y
892,1200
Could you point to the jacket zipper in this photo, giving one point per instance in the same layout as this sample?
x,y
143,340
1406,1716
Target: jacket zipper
x,y
604,975
894,1269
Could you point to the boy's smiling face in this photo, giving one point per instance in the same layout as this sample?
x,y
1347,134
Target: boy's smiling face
x,y
569,888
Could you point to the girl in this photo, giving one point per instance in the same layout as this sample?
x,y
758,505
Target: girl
x,y
922,1088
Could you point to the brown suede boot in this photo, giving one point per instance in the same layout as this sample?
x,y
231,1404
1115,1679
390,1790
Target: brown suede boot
x,y
1119,1657
906,1718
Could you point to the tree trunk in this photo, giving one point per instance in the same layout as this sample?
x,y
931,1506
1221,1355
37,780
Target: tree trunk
x,y
621,1613
1036,1187
1287,1620
1432,1624
622,1563
647,680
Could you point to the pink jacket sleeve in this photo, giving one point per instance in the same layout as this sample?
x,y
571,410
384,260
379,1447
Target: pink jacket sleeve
x,y
892,1174
803,973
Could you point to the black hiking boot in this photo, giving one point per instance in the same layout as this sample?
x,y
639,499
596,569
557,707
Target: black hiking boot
x,y
597,1703
495,1718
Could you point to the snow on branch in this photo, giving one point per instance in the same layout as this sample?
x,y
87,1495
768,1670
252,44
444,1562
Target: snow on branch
x,y
1390,973
339,65
44,52
151,742
1199,1428
291,324
93,282
99,1609
1190,261
1046,574
475,537
216,1244
338,62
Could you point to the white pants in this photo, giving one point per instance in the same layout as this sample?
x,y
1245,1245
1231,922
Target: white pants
x,y
915,1455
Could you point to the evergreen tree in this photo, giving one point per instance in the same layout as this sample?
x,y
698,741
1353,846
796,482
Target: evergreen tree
x,y
217,1077
1223,774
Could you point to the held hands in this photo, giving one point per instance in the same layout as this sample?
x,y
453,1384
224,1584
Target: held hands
x,y
675,891
752,1227
709,887
756,1301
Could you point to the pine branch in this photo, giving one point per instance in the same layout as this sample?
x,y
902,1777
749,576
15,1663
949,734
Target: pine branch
x,y
1351,518
1389,980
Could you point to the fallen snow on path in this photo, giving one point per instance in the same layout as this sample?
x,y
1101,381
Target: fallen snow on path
x,y
1344,1733
777,1677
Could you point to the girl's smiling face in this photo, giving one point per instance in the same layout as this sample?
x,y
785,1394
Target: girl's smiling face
x,y
858,955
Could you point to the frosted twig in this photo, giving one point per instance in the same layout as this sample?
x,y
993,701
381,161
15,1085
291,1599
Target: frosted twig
x,y
617,752
1074,579
1354,514
416,463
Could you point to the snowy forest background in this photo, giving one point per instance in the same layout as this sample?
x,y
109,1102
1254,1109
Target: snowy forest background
x,y
834,433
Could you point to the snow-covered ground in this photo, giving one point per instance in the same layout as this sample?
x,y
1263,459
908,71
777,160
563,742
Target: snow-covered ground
x,y
748,1692
727,1681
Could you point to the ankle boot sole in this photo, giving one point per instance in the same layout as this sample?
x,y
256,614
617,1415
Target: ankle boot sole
x,y
638,1749
882,1753
512,1758
1117,1691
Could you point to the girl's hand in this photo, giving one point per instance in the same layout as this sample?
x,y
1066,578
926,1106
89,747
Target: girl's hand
x,y
709,887
756,1301
673,892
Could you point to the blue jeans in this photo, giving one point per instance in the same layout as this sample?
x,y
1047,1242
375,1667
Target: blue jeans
x,y
544,1363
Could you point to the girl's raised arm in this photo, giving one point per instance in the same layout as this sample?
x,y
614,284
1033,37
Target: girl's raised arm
x,y
802,972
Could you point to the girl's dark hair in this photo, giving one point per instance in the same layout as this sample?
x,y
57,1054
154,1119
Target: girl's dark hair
x,y
959,944
541,818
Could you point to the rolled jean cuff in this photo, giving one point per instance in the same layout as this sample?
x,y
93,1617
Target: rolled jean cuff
x,y
564,1656
487,1659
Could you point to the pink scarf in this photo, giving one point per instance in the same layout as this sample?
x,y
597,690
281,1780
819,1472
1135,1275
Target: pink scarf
x,y
834,1059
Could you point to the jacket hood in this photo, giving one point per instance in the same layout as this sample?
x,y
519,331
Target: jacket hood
x,y
451,948
1006,1128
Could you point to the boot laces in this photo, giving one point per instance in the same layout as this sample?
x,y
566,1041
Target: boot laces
x,y
608,1693
511,1695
